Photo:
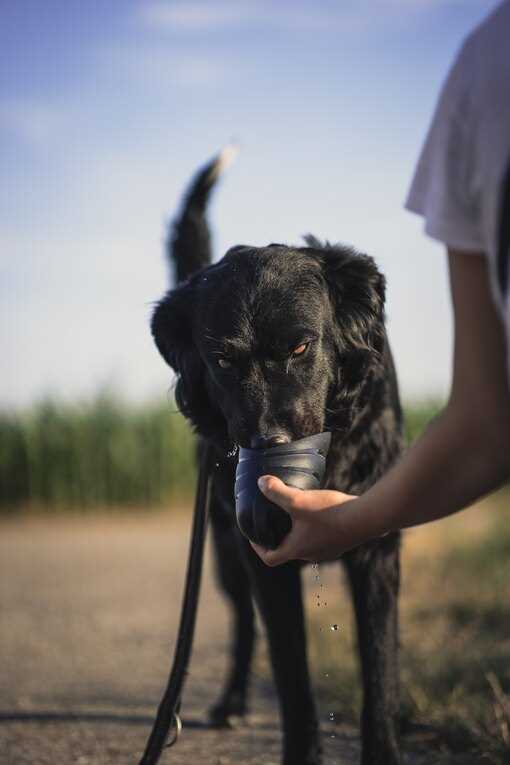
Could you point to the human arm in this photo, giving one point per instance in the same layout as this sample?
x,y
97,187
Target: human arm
x,y
463,454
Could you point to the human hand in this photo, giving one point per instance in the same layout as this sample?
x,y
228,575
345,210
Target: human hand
x,y
316,532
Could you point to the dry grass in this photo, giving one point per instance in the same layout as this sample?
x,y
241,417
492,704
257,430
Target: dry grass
x,y
455,635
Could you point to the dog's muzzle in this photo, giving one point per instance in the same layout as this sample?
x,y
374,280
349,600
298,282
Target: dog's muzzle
x,y
301,464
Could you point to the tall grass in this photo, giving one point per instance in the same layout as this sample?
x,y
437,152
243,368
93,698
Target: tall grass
x,y
100,453
105,453
417,414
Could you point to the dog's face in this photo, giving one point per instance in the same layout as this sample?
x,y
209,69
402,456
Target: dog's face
x,y
267,341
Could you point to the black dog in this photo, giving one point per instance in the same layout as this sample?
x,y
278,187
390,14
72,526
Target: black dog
x,y
270,345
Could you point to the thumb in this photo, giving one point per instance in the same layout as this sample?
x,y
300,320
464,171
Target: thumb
x,y
278,492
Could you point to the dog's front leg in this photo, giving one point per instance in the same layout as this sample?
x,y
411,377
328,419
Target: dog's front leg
x,y
235,583
279,597
374,577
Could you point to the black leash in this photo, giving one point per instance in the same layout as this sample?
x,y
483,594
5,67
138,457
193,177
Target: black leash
x,y
169,705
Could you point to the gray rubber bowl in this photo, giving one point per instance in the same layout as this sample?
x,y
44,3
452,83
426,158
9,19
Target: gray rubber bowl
x,y
301,464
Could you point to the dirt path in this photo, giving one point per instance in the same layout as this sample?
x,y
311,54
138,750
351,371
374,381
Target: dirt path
x,y
89,614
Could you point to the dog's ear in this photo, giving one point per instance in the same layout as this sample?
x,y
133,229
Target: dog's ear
x,y
357,292
171,327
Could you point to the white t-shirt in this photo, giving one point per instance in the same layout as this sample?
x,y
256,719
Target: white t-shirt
x,y
461,184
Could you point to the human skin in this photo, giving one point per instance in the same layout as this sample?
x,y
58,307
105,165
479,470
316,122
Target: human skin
x,y
463,454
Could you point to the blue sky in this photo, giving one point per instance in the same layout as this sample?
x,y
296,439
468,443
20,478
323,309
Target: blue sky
x,y
106,109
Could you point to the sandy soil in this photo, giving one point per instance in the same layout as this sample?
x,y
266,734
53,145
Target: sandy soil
x,y
90,607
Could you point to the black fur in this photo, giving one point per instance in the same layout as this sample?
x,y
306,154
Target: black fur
x,y
251,310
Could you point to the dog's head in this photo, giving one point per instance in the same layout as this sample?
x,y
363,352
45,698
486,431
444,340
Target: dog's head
x,y
272,344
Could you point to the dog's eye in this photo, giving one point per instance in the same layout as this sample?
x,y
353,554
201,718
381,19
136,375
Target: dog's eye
x,y
224,363
300,349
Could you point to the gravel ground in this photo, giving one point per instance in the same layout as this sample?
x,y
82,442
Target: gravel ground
x,y
90,608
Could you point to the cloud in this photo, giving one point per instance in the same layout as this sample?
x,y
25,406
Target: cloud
x,y
35,122
199,16
162,67
158,66
194,15
429,4
300,15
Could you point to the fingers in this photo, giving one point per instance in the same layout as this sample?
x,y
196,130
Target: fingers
x,y
278,492
286,497
314,518
271,557
299,502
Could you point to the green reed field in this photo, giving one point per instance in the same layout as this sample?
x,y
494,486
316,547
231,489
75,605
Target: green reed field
x,y
104,453
100,453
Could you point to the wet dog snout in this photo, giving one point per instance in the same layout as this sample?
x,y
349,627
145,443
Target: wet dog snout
x,y
268,440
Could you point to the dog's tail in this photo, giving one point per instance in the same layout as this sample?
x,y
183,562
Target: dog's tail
x,y
188,244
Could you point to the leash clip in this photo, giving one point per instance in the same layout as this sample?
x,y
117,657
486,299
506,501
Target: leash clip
x,y
177,724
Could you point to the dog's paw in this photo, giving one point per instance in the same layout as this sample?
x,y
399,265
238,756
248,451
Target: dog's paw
x,y
230,714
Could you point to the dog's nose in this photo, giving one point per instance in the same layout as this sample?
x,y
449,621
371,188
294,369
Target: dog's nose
x,y
268,440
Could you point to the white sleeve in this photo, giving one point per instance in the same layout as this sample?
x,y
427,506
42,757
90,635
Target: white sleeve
x,y
443,189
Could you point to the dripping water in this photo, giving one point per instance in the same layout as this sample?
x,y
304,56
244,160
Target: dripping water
x,y
332,627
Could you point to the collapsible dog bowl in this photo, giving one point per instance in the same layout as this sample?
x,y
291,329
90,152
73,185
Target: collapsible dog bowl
x,y
301,464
